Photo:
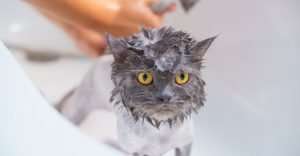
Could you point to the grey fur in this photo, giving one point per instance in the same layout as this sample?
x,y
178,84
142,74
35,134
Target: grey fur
x,y
164,53
147,125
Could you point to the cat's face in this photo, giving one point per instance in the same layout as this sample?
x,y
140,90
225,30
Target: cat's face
x,y
157,74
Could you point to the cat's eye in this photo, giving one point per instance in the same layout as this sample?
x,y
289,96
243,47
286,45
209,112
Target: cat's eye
x,y
144,78
182,78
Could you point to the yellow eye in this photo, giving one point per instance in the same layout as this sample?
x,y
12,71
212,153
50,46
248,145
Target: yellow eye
x,y
182,78
144,78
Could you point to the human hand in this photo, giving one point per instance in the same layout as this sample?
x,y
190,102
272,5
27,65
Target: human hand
x,y
86,20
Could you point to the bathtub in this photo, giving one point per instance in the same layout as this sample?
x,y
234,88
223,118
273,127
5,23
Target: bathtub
x,y
30,126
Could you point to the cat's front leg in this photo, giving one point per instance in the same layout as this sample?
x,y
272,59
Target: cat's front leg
x,y
184,151
80,102
75,110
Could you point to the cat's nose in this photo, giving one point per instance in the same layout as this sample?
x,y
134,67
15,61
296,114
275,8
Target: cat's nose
x,y
164,98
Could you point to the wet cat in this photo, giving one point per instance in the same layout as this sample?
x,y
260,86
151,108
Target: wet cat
x,y
157,85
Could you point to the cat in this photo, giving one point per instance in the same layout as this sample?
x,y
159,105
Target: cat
x,y
157,85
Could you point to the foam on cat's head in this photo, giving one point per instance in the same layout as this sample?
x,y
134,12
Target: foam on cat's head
x,y
164,52
165,46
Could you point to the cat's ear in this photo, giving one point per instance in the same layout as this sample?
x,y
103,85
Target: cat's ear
x,y
117,48
201,47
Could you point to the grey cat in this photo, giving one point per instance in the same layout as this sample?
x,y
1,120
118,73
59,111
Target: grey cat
x,y
156,86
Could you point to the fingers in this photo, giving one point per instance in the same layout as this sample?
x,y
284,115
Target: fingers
x,y
139,13
171,8
119,31
150,2
150,19
154,19
86,20
139,16
89,42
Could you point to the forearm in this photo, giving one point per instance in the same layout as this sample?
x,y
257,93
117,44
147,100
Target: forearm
x,y
88,13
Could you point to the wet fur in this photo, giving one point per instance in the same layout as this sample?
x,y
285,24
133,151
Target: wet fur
x,y
163,53
143,127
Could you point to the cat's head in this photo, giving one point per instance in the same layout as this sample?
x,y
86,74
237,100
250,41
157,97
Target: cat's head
x,y
157,76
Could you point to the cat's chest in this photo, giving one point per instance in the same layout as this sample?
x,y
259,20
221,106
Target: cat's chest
x,y
144,138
